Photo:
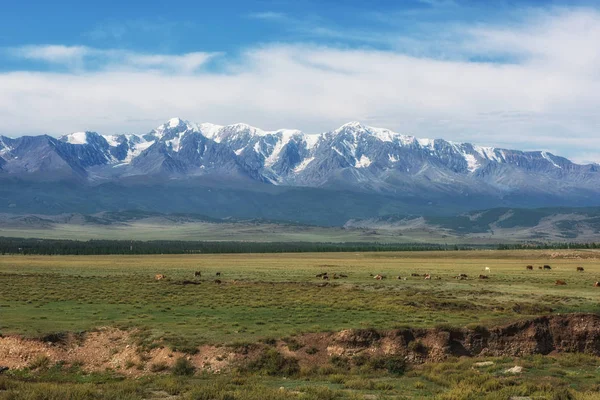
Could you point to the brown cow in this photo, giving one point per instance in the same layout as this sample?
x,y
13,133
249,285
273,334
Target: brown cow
x,y
579,269
596,284
218,274
547,266
197,274
529,267
483,277
378,277
159,277
560,282
427,276
540,267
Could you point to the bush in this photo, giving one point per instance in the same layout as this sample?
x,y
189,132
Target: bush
x,y
417,347
40,362
159,367
183,367
339,362
393,364
273,363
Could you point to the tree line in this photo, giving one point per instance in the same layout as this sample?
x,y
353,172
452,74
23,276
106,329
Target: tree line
x,y
106,247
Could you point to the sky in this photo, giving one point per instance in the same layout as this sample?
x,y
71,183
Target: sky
x,y
506,73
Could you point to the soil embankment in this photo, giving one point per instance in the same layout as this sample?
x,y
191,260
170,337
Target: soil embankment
x,y
116,349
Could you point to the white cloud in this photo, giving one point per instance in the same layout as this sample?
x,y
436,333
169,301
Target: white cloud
x,y
268,15
83,58
545,98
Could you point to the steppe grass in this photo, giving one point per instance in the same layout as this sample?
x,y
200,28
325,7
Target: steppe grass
x,y
277,295
543,377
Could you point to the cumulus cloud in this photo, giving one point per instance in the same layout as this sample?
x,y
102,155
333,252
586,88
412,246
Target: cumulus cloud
x,y
544,95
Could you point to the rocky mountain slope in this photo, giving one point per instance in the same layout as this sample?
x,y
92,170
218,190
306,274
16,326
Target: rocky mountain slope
x,y
353,158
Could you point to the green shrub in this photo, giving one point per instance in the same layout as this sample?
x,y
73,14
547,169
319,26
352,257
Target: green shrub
x,y
392,364
183,367
159,367
273,363
339,361
40,362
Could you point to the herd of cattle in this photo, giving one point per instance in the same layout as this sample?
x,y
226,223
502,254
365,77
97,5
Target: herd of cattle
x,y
327,276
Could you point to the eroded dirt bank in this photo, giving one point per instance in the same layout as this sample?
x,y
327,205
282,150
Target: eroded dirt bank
x,y
116,349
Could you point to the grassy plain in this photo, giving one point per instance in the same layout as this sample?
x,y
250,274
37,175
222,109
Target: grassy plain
x,y
277,295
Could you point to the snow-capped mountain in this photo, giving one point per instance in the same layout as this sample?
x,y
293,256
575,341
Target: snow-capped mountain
x,y
353,156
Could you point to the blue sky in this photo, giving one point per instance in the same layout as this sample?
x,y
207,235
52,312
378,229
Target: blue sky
x,y
520,74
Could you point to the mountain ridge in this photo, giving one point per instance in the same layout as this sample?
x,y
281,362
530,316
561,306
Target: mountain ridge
x,y
383,165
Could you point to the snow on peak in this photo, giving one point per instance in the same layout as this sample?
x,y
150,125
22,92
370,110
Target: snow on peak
x,y
472,163
174,122
286,136
363,162
210,130
384,135
302,166
548,157
427,143
487,153
352,124
77,138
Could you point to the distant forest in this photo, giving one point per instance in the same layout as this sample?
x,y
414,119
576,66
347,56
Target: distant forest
x,y
100,247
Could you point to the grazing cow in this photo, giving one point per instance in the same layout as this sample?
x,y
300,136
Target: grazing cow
x,y
159,277
547,267
218,274
325,277
463,275
596,284
529,267
218,281
322,274
540,267
398,277
197,274
427,276
487,269
483,277
378,277
460,277
560,282
414,274
579,269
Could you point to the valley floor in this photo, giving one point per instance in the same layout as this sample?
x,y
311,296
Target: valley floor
x,y
266,307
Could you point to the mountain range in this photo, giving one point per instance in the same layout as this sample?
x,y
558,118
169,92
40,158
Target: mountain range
x,y
354,171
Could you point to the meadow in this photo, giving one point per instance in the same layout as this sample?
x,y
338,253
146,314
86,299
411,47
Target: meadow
x,y
263,297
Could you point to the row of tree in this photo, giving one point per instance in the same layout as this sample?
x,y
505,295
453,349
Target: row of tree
x,y
99,247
